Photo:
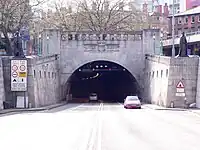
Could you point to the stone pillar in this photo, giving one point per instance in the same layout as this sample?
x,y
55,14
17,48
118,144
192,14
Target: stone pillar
x,y
198,88
2,91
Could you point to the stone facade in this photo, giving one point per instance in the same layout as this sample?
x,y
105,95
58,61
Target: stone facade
x,y
2,91
162,76
156,79
43,81
124,48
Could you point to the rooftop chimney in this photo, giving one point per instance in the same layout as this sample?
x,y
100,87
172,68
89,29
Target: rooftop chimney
x,y
166,10
159,9
145,8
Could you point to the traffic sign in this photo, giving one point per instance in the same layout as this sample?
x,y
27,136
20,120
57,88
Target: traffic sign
x,y
19,75
14,74
22,68
14,67
180,85
180,89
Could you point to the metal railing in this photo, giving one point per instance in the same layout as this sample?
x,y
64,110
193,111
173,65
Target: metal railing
x,y
179,35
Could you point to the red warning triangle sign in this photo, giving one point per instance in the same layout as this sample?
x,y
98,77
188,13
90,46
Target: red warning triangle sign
x,y
180,85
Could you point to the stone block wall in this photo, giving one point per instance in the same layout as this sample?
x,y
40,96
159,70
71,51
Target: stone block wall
x,y
183,69
162,74
44,83
2,91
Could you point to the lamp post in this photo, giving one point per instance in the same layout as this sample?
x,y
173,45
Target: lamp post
x,y
173,34
47,44
39,45
161,43
154,44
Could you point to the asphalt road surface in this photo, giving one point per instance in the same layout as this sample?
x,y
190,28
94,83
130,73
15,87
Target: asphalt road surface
x,y
100,127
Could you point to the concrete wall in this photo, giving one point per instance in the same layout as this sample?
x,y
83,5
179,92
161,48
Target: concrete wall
x,y
42,89
44,83
186,70
198,88
161,90
156,79
2,91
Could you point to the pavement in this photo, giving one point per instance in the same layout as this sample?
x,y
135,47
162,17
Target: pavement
x,y
100,127
6,111
156,107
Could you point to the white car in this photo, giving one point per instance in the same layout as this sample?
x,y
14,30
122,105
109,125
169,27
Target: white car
x,y
93,97
132,102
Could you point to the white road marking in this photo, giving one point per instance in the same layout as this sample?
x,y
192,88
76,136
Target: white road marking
x,y
99,138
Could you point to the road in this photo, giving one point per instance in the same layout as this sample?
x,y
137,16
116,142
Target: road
x,y
100,127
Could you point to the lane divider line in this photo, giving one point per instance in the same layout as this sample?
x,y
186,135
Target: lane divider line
x,y
71,109
99,134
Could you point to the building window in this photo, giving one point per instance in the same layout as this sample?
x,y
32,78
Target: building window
x,y
40,74
186,20
153,74
34,74
167,72
49,74
193,19
179,20
161,73
45,74
157,73
52,74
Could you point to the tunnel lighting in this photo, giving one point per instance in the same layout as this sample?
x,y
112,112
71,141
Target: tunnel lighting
x,y
124,69
106,66
93,69
101,66
97,66
79,70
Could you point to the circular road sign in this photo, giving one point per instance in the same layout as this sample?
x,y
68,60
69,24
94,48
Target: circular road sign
x,y
14,74
22,68
14,67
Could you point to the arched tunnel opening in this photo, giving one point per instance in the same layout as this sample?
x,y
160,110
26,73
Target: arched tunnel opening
x,y
110,81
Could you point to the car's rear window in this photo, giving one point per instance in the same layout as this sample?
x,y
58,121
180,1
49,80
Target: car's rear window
x,y
132,98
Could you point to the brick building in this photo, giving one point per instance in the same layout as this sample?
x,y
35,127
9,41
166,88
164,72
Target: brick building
x,y
187,21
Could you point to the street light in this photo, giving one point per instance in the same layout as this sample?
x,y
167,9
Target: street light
x,y
39,47
173,34
47,44
154,46
161,43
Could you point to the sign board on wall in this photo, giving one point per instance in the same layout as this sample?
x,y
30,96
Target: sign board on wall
x,y
19,75
180,89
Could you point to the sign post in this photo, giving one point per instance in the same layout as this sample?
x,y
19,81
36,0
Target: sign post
x,y
19,76
180,89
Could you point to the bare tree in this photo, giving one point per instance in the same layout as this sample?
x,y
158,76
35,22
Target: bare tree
x,y
96,16
13,15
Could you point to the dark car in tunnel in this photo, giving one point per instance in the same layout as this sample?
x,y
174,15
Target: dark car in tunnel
x,y
93,97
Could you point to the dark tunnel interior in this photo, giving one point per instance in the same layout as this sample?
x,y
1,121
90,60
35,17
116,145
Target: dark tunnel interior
x,y
110,81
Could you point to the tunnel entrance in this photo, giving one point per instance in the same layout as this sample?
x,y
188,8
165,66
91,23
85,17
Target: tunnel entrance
x,y
110,81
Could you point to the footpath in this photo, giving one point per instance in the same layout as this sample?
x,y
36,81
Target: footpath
x,y
6,111
156,107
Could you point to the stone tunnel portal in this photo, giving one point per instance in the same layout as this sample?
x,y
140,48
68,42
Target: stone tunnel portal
x,y
110,81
